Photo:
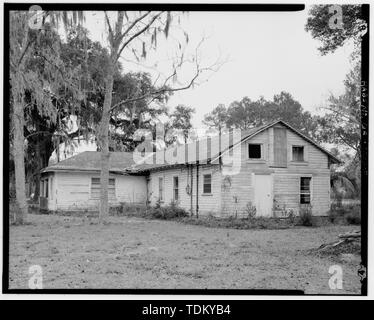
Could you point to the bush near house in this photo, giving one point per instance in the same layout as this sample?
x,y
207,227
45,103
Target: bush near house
x,y
346,214
173,212
349,213
168,212
305,216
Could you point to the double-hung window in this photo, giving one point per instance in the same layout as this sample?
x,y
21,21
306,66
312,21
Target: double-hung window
x,y
305,187
161,189
207,183
175,188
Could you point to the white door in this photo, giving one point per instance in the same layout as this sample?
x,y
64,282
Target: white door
x,y
263,195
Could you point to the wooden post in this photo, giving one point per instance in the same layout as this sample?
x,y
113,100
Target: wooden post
x,y
197,189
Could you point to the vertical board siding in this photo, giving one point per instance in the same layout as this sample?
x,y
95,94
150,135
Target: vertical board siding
x,y
280,147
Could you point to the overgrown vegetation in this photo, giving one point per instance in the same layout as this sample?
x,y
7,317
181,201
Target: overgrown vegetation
x,y
346,214
167,212
305,216
251,210
350,213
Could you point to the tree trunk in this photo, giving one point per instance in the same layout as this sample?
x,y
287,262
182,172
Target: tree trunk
x,y
104,145
39,167
19,159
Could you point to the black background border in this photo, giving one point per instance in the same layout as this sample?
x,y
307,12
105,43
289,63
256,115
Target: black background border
x,y
181,7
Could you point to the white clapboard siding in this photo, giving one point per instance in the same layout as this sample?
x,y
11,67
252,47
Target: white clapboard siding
x,y
131,189
237,190
74,190
287,180
51,190
232,181
208,204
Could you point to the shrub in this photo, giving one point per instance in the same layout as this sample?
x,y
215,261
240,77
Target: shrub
x,y
158,204
171,211
351,213
332,215
128,209
250,210
305,217
353,216
291,216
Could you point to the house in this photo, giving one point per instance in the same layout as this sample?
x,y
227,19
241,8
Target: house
x,y
74,183
273,168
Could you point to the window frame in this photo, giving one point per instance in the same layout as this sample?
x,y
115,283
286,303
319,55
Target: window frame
x,y
176,188
46,191
261,151
110,187
305,193
161,189
204,184
292,153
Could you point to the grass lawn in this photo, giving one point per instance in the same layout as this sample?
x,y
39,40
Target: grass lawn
x,y
133,252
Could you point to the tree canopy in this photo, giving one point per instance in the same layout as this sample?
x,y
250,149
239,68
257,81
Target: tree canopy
x,y
323,25
247,113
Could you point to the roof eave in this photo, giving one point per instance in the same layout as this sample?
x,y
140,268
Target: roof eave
x,y
51,169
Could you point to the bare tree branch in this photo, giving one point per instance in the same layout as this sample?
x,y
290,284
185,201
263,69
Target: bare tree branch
x,y
156,93
138,33
133,25
111,36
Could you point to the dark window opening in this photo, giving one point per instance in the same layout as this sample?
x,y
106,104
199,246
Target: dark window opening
x,y
254,151
176,189
161,189
207,186
297,153
305,194
46,188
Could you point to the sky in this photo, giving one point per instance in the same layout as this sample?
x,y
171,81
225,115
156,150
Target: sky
x,y
262,55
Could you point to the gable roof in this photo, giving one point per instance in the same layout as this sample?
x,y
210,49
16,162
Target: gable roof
x,y
267,126
204,151
90,161
209,156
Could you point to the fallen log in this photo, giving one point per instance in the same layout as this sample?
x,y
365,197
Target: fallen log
x,y
335,244
331,245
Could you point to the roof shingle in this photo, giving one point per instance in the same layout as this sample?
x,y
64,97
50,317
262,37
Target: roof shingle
x,y
200,150
90,161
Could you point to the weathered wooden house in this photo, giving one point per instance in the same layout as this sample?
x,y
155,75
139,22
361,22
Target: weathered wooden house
x,y
273,168
74,184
